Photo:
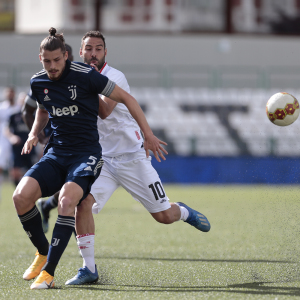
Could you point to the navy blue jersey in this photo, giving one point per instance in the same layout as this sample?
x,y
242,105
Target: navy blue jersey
x,y
72,103
18,127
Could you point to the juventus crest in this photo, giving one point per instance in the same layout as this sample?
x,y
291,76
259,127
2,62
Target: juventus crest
x,y
72,89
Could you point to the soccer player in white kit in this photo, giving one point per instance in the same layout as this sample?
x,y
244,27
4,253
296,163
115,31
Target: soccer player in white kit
x,y
125,164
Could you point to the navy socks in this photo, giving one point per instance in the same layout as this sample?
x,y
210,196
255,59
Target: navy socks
x,y
62,232
32,224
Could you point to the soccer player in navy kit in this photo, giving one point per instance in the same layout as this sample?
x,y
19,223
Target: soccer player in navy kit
x,y
28,113
67,93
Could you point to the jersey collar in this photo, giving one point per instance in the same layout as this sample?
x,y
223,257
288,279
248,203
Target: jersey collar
x,y
66,70
103,67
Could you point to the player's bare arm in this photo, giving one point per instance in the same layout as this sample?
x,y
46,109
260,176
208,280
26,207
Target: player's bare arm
x,y
151,141
106,106
41,120
28,115
28,118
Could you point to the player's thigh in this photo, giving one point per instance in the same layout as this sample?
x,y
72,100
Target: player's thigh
x,y
141,180
49,175
84,170
103,188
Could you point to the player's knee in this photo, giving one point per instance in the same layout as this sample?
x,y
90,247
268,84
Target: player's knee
x,y
66,205
20,201
86,205
17,197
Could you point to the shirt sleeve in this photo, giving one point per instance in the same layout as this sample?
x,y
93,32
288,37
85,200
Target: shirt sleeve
x,y
100,84
29,100
120,79
31,93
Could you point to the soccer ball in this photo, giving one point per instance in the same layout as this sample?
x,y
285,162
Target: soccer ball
x,y
282,109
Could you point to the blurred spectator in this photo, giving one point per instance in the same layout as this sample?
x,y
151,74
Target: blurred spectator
x,y
7,108
17,134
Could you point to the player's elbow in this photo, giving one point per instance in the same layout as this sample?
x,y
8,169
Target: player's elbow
x,y
103,115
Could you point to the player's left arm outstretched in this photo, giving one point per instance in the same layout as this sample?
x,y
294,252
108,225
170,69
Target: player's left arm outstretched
x,y
40,121
151,142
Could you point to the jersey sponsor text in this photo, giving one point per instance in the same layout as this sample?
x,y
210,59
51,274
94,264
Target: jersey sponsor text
x,y
72,109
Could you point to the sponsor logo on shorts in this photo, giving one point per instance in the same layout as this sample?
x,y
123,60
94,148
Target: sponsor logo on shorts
x,y
163,200
68,110
99,165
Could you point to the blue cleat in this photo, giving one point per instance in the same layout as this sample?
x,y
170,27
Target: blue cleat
x,y
84,276
196,219
44,215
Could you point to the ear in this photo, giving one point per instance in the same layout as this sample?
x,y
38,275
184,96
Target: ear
x,y
40,57
105,51
80,53
66,55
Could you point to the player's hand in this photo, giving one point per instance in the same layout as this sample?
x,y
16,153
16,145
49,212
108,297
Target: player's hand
x,y
155,145
95,67
31,141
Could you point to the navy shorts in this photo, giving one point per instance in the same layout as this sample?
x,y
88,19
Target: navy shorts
x,y
54,170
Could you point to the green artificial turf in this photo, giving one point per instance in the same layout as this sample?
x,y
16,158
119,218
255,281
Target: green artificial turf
x,y
251,252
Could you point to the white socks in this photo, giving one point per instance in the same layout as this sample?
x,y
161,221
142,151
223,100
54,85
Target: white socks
x,y
184,213
86,248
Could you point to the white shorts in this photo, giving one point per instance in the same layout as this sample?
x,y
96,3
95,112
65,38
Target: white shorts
x,y
135,173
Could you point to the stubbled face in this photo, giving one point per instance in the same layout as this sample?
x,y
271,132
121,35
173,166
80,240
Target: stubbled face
x,y
54,62
93,52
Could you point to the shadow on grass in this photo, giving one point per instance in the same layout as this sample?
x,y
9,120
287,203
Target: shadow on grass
x,y
254,288
201,260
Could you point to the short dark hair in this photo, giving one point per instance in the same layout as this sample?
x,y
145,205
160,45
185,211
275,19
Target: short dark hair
x,y
94,33
70,52
53,42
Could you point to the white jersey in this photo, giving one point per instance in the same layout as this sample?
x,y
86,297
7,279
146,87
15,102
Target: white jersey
x,y
118,133
6,110
125,161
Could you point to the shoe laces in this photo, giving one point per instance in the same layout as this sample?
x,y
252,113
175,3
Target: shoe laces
x,y
81,273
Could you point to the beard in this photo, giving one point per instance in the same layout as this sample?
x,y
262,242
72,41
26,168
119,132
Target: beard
x,y
99,62
56,76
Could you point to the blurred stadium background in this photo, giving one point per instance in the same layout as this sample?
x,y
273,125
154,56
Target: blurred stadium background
x,y
201,70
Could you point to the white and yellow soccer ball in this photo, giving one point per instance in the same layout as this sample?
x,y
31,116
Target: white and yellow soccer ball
x,y
282,109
